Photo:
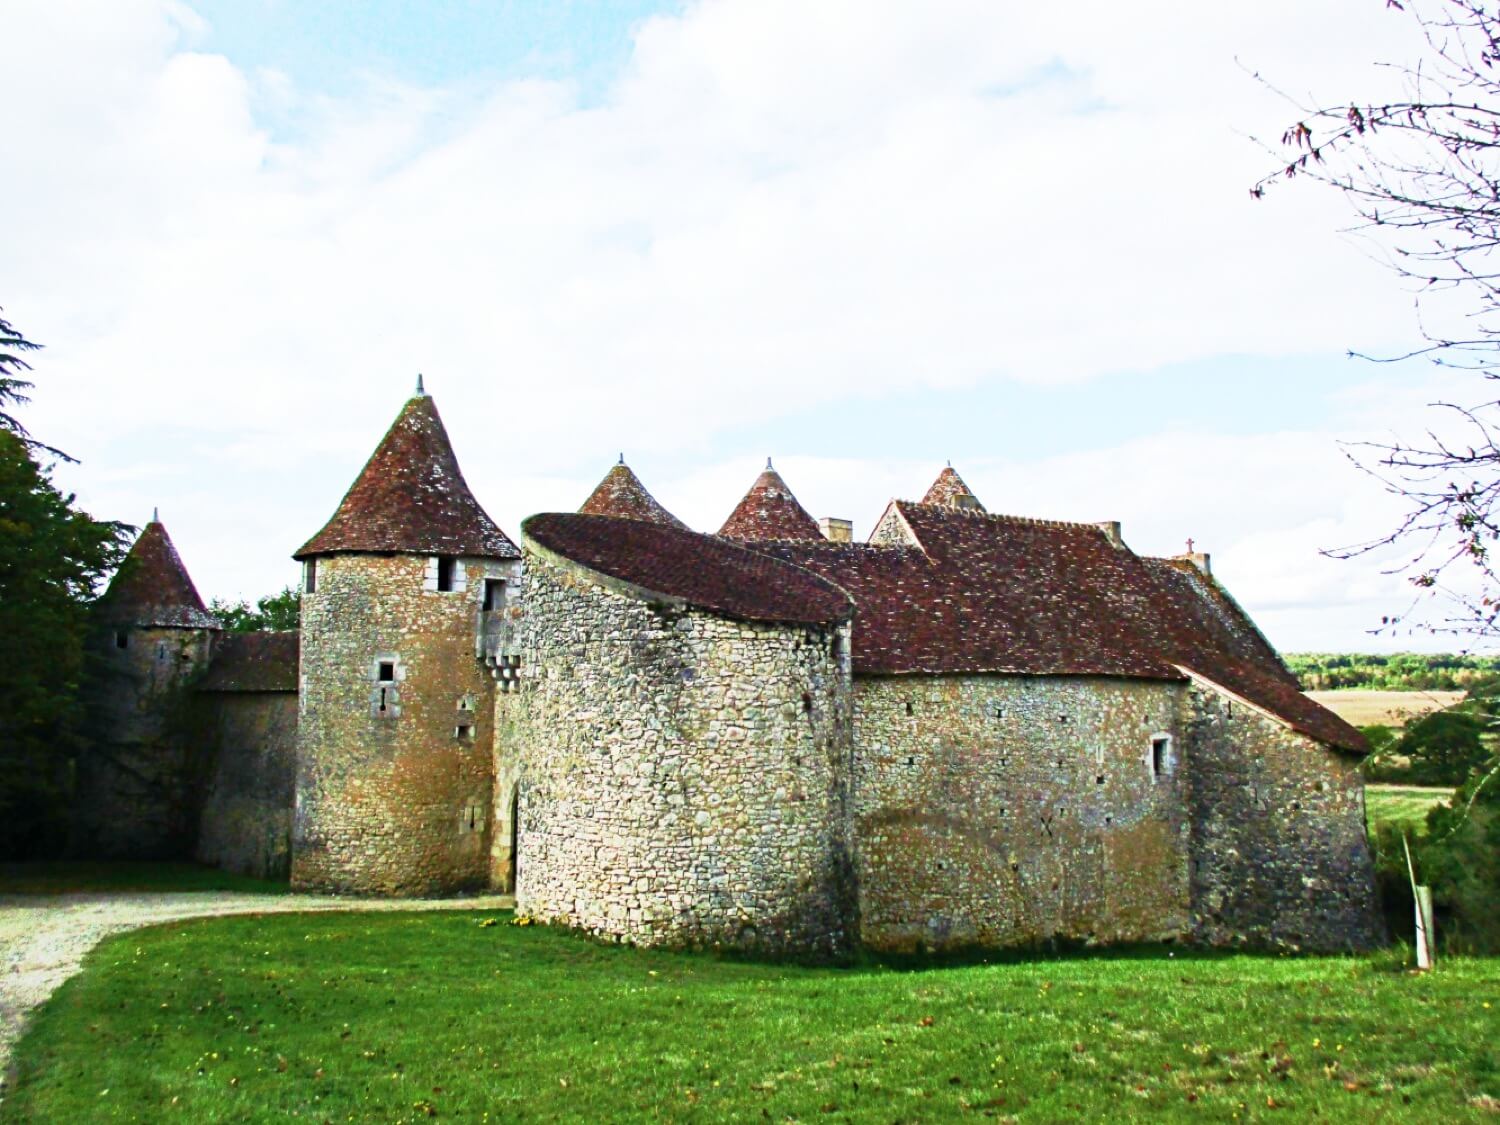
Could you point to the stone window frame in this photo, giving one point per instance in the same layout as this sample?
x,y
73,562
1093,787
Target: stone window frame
x,y
1161,756
458,576
385,694
310,576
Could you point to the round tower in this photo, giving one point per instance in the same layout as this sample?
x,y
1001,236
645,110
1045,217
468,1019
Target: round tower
x,y
401,590
138,780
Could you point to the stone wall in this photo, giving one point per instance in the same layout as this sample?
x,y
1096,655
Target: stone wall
x,y
246,822
139,780
1003,810
1280,855
394,783
682,778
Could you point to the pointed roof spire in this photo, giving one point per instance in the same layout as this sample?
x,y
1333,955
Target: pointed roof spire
x,y
770,511
421,391
152,587
411,498
622,494
155,515
950,491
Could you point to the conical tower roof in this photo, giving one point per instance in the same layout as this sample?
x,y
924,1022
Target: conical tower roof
x,y
950,491
411,498
770,511
622,494
152,587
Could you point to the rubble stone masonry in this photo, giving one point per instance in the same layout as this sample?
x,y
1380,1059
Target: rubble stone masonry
x,y
1280,855
1005,810
246,824
393,771
682,778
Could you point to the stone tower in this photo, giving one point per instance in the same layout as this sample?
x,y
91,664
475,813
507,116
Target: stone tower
x,y
137,783
400,590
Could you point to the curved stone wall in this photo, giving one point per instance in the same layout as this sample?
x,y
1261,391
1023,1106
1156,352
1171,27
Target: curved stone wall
x,y
682,778
393,776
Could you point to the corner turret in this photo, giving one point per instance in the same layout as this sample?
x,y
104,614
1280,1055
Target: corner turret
x,y
622,494
152,636
404,591
769,511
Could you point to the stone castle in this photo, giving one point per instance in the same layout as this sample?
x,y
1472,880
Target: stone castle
x,y
972,729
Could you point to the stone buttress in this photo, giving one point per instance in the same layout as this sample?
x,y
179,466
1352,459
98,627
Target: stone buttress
x,y
400,589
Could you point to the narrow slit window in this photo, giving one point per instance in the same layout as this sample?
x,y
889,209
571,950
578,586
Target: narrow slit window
x,y
122,640
494,594
310,576
446,568
384,705
1161,755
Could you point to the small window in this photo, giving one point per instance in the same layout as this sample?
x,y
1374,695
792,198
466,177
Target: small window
x,y
466,703
908,707
494,594
383,702
463,731
446,568
122,640
1161,755
386,672
310,576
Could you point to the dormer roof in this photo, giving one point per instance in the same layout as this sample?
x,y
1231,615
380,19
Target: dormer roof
x,y
950,491
621,494
769,512
411,498
153,588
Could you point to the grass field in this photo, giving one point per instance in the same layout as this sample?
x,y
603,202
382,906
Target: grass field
x,y
463,1017
1389,708
1402,806
62,877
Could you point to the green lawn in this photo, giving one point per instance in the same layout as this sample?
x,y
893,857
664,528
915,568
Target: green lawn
x,y
406,1017
1402,806
63,876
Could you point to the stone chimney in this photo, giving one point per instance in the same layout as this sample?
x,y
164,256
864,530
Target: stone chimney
x,y
836,530
1111,529
1200,560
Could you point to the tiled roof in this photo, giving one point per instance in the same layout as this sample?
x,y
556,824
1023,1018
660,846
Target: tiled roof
x,y
152,587
253,662
1001,594
411,498
949,490
622,494
769,511
702,570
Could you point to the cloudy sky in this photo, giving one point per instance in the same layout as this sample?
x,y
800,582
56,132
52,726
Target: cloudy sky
x,y
862,237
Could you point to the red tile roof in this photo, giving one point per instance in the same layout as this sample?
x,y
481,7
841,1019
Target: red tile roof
x,y
702,570
769,511
253,662
622,494
411,498
950,491
1000,594
152,587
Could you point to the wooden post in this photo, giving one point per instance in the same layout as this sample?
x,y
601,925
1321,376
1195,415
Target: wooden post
x,y
1424,927
1422,901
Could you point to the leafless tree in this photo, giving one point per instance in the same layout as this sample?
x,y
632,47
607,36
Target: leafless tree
x,y
1423,175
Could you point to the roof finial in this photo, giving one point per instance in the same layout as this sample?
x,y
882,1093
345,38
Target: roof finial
x,y
950,462
1190,546
768,465
155,514
421,391
622,458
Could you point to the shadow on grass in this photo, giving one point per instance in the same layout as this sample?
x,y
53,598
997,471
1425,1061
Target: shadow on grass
x,y
55,877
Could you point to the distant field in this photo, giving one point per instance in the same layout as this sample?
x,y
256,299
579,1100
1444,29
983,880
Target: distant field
x,y
1391,708
1402,806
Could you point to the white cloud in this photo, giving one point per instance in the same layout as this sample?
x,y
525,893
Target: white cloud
x,y
779,206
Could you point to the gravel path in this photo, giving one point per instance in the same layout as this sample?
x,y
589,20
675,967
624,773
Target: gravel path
x,y
43,938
